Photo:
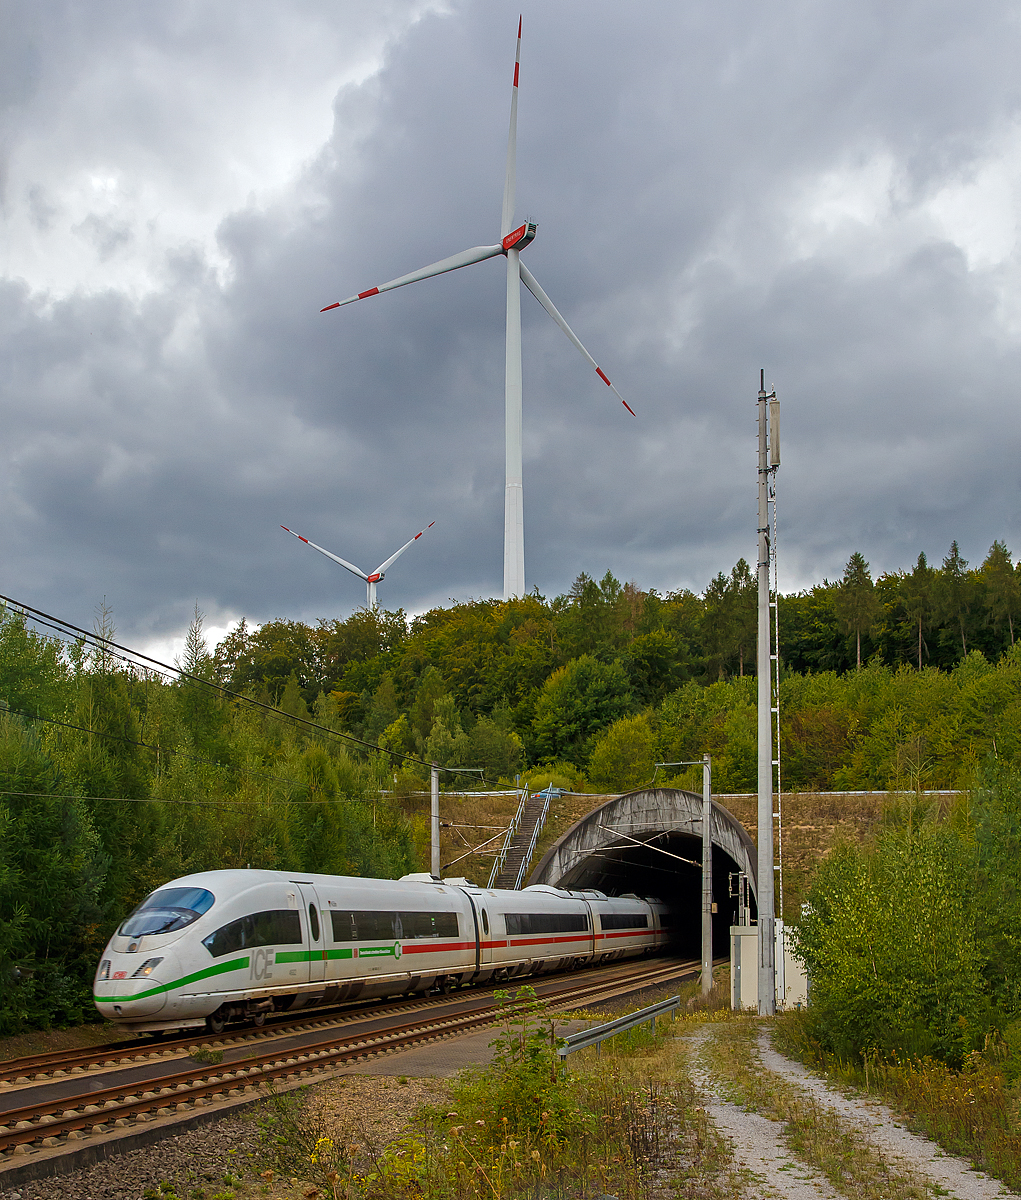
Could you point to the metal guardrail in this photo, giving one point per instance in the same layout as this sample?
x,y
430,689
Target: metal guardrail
x,y
599,1033
526,861
512,828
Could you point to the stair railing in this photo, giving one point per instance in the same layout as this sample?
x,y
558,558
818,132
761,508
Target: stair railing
x,y
547,795
508,837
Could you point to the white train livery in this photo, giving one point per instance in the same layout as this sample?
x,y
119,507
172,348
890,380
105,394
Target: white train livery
x,y
221,946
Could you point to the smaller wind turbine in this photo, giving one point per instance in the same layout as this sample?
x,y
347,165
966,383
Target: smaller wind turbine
x,y
370,580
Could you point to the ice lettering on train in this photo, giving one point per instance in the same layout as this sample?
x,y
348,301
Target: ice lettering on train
x,y
262,963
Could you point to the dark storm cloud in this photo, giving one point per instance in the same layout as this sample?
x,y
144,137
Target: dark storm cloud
x,y
717,189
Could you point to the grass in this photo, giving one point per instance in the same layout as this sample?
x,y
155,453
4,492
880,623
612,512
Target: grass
x,y
627,1123
817,1135
973,1112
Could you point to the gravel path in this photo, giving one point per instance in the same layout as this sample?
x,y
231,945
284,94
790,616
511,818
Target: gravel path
x,y
770,1169
881,1127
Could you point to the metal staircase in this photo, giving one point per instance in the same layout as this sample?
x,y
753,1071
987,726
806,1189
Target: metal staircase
x,y
515,855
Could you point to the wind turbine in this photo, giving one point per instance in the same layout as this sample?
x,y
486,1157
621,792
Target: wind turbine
x,y
370,580
512,242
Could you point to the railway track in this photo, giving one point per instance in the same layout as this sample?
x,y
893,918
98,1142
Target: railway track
x,y
36,1068
61,1108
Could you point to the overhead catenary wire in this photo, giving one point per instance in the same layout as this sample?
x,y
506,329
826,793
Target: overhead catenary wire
x,y
174,801
181,754
181,673
121,799
119,737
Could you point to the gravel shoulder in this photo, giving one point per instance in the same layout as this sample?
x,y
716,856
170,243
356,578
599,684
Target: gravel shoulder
x,y
886,1133
228,1155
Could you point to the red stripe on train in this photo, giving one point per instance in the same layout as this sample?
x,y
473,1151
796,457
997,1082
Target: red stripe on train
x,y
550,941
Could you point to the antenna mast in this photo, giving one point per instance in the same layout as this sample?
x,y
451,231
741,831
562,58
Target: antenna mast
x,y
769,460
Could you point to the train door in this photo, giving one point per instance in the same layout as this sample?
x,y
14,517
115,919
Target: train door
x,y
486,946
590,942
317,932
483,929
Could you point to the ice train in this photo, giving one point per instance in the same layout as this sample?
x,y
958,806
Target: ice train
x,y
221,946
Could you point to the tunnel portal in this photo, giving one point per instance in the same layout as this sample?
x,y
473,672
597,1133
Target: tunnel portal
x,y
649,843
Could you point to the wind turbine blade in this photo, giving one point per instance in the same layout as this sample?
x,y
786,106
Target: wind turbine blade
x,y
507,219
530,282
394,557
465,259
350,566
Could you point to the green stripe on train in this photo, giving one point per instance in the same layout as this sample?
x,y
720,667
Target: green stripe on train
x,y
291,956
234,964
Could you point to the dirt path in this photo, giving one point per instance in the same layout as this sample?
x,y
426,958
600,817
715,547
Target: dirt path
x,y
767,1167
876,1122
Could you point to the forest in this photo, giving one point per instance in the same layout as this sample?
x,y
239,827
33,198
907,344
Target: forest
x,y
908,680
298,746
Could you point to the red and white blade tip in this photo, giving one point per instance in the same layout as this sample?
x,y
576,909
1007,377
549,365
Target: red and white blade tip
x,y
418,535
297,535
361,296
602,376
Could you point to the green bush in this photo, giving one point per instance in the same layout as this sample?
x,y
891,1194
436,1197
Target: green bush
x,y
889,938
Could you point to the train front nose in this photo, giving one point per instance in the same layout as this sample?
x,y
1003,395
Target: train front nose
x,y
126,989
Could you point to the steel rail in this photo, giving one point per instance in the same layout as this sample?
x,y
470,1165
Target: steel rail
x,y
97,1109
38,1068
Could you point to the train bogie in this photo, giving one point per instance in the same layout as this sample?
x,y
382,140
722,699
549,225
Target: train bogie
x,y
234,945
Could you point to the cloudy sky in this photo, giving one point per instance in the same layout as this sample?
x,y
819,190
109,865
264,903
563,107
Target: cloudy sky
x,y
826,190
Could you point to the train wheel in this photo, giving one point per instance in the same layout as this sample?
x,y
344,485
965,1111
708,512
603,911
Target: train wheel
x,y
216,1021
259,1020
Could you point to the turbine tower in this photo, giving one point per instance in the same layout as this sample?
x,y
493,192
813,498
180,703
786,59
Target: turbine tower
x,y
512,242
370,580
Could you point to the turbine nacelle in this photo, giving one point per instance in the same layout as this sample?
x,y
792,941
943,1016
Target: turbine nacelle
x,y
370,580
519,238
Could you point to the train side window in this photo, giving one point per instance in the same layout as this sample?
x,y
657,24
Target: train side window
x,y
446,925
313,922
429,924
343,927
624,920
541,923
371,926
485,922
274,928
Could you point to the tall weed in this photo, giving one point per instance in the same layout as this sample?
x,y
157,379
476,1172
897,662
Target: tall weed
x,y
972,1111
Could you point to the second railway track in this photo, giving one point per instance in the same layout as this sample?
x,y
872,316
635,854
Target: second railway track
x,y
57,1110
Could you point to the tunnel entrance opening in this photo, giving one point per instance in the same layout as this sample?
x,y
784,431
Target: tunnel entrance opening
x,y
649,843
651,870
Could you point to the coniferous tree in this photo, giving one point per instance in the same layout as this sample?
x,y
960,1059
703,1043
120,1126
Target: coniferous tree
x,y
919,598
1003,595
857,606
954,592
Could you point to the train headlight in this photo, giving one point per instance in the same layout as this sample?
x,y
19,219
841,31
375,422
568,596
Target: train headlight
x,y
147,967
104,970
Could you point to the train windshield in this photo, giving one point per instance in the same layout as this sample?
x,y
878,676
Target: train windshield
x,y
166,911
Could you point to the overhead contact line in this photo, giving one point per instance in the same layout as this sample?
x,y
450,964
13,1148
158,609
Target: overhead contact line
x,y
97,639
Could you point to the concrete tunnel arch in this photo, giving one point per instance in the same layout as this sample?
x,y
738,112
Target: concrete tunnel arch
x,y
635,843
